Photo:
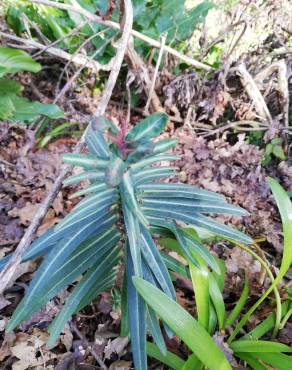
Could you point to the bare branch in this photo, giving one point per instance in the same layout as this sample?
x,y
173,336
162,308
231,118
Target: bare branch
x,y
7,273
79,59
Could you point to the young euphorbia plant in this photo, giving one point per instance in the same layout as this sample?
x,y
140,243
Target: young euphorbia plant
x,y
123,208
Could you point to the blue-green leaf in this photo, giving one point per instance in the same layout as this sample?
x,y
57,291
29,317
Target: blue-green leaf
x,y
148,128
136,312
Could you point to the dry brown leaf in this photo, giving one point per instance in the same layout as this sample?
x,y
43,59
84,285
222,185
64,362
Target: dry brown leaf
x,y
28,348
25,214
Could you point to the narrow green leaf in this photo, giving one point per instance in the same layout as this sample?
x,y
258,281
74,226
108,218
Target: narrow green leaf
x,y
217,299
193,363
14,60
253,362
164,145
192,206
86,175
95,139
148,128
170,359
285,208
93,280
186,327
86,161
151,160
277,360
268,324
155,262
179,190
259,346
200,221
239,304
155,331
200,279
136,312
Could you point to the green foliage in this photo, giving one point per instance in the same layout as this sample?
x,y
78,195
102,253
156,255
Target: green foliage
x,y
210,310
89,242
152,18
274,148
12,106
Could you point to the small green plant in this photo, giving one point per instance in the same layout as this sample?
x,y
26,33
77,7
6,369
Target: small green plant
x,y
211,314
274,149
123,209
15,107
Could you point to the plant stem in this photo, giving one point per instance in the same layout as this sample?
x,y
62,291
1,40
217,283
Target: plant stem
x,y
262,298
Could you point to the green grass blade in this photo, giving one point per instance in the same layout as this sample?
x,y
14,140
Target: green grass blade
x,y
285,209
239,304
253,362
258,346
184,325
170,359
217,299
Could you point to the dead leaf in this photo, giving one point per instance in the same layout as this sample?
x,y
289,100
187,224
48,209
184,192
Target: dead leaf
x,y
116,346
25,214
29,351
120,365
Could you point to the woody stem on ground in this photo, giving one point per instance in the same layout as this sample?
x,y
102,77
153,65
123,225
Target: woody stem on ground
x,y
8,271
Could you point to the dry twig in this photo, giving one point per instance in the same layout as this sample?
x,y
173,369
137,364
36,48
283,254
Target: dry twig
x,y
254,93
8,271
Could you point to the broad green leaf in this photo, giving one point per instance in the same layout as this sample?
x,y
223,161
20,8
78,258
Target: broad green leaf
x,y
239,304
15,60
26,110
170,359
8,86
7,108
193,363
137,319
277,360
200,279
148,127
182,323
259,346
285,208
